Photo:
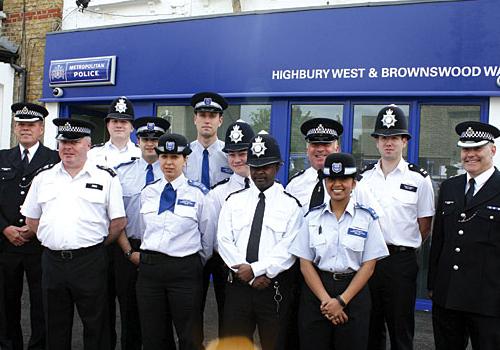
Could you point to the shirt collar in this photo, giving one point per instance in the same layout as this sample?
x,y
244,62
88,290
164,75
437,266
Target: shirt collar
x,y
268,192
128,146
401,167
88,168
239,179
349,209
176,183
483,177
31,150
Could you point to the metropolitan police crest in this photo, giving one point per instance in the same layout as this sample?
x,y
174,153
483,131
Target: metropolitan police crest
x,y
236,134
150,126
170,145
207,101
58,72
121,106
389,119
337,167
258,147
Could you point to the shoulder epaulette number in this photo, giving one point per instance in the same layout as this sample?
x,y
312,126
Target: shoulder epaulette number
x,y
296,175
416,168
321,206
290,195
125,163
106,169
97,145
198,185
220,183
45,167
370,211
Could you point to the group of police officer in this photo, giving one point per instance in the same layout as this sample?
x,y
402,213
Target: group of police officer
x,y
327,262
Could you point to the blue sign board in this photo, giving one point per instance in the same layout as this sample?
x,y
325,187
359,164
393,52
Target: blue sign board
x,y
83,71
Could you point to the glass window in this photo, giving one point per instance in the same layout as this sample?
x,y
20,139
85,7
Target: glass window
x,y
363,145
181,118
300,114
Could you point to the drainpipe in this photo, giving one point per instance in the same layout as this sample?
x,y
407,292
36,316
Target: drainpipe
x,y
24,76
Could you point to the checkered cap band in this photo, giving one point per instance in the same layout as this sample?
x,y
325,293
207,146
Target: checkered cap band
x,y
471,134
320,129
77,129
27,111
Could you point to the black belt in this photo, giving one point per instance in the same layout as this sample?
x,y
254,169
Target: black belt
x,y
394,249
70,254
339,276
152,257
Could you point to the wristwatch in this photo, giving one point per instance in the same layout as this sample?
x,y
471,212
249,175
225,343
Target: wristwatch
x,y
128,253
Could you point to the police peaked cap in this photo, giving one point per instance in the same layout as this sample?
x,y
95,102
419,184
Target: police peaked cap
x,y
73,129
238,136
263,150
339,165
321,130
150,127
208,102
475,134
391,121
121,108
28,112
173,144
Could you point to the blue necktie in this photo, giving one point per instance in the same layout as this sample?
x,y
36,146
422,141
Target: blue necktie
x,y
150,177
205,174
167,199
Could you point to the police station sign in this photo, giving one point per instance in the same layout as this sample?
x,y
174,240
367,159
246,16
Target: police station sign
x,y
83,71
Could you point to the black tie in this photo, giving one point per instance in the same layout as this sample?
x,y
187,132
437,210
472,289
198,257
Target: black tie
x,y
318,194
247,182
254,239
470,191
26,159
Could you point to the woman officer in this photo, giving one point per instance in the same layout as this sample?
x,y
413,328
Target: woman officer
x,y
338,249
176,242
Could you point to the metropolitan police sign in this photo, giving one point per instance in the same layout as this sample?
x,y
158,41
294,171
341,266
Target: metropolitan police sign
x,y
83,71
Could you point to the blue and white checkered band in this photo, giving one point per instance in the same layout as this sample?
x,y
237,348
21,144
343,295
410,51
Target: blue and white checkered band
x,y
150,126
70,128
337,167
320,129
170,145
27,111
472,134
207,101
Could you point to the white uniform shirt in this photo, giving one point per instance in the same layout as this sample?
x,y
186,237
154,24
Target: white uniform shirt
x,y
281,223
74,212
405,195
188,230
340,245
132,176
217,160
217,196
110,156
302,186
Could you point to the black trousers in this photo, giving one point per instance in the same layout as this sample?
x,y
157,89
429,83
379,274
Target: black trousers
x,y
216,267
247,308
452,330
169,288
318,333
110,251
5,343
393,289
81,281
15,266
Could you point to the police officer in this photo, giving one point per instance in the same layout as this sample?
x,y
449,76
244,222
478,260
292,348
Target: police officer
x,y
75,207
256,227
405,193
119,148
20,250
237,141
338,248
177,240
134,175
465,251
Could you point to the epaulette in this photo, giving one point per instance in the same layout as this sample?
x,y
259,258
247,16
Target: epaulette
x,y
45,167
321,206
367,167
97,145
290,195
150,183
220,183
367,209
296,175
241,190
108,170
416,168
125,163
198,185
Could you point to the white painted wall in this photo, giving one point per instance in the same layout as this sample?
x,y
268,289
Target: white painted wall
x,y
495,120
49,138
6,100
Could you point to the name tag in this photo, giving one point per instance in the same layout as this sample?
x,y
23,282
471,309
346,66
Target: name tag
x,y
357,232
449,202
6,169
226,170
408,188
186,202
94,186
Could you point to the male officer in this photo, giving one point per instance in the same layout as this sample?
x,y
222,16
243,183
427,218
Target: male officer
x,y
134,175
256,227
404,191
74,207
119,148
237,141
21,251
465,251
